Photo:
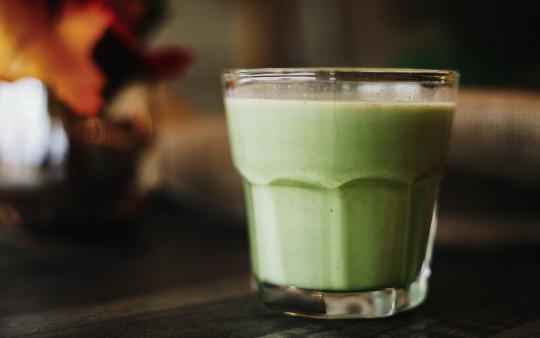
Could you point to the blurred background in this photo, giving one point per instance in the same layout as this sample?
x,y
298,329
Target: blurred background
x,y
173,144
491,45
490,194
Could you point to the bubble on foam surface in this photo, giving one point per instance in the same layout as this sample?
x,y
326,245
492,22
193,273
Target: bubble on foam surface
x,y
371,89
406,91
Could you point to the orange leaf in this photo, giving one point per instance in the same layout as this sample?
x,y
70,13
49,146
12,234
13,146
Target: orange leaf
x,y
59,52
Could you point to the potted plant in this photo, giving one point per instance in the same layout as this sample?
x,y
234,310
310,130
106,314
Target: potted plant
x,y
76,109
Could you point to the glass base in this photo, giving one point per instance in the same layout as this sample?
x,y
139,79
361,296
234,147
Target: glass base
x,y
385,302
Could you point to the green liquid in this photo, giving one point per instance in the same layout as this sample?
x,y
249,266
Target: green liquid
x,y
340,195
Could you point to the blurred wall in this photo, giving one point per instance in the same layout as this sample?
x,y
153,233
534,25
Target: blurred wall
x,y
205,27
491,43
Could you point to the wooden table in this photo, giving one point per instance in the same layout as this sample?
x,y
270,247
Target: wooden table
x,y
188,276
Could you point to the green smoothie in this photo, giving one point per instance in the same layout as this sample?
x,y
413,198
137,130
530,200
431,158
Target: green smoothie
x,y
340,195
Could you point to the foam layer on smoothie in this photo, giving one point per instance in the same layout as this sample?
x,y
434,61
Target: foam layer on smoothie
x,y
340,194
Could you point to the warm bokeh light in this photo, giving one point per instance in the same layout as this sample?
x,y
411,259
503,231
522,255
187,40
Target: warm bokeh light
x,y
30,137
58,52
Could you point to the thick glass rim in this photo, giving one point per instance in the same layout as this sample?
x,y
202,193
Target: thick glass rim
x,y
442,76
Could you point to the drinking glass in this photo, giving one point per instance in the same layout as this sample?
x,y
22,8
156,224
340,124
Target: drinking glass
x,y
341,169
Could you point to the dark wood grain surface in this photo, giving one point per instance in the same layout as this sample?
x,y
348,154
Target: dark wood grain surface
x,y
189,277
